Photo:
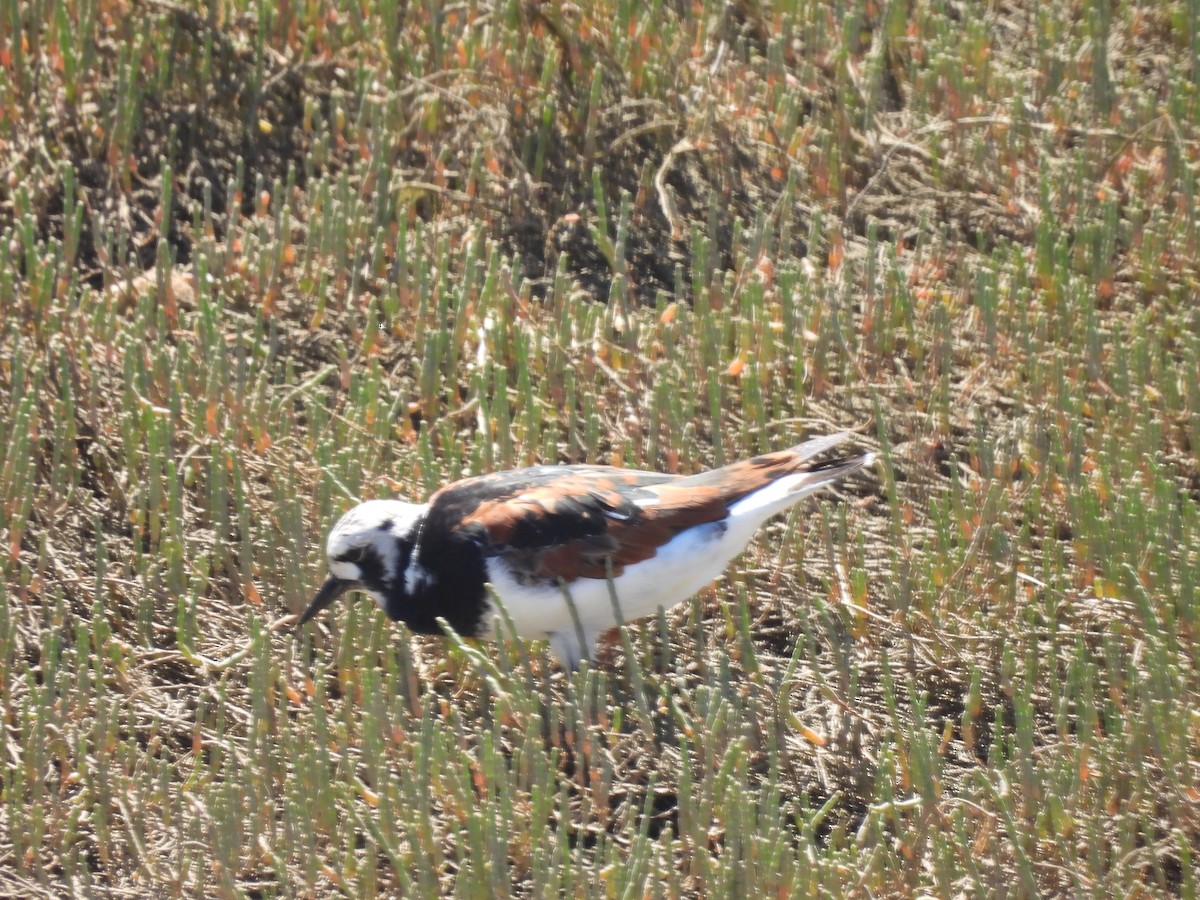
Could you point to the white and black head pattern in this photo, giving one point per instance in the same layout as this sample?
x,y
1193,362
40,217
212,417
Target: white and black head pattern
x,y
369,543
370,549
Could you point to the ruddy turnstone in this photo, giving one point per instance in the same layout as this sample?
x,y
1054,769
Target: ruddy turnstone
x,y
542,533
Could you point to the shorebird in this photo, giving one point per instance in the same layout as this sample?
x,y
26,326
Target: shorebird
x,y
547,538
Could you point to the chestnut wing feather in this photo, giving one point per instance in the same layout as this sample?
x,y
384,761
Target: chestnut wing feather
x,y
567,522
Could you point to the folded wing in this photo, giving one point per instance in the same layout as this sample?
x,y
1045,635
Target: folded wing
x,y
567,522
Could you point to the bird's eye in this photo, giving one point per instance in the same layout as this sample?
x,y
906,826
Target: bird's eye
x,y
353,555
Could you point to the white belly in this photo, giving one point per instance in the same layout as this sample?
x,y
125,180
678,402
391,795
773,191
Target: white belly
x,y
681,567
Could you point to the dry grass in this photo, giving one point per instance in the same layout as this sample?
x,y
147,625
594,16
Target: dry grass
x,y
263,261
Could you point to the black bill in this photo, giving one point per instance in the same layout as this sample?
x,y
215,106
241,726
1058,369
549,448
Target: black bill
x,y
330,591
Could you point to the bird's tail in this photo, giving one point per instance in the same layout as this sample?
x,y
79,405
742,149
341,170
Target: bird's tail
x,y
802,478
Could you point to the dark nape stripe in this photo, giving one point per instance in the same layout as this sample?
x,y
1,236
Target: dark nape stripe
x,y
406,551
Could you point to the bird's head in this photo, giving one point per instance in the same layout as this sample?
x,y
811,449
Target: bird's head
x,y
370,549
